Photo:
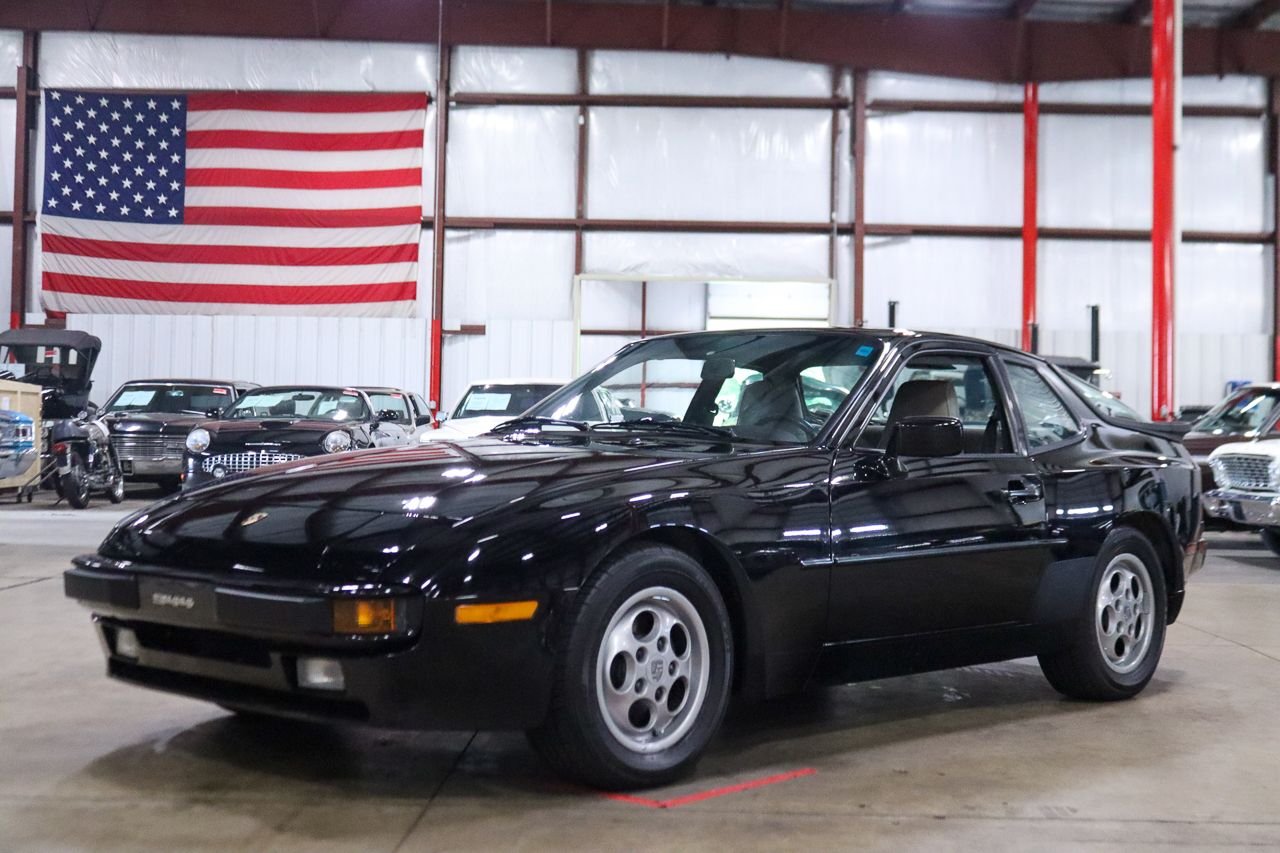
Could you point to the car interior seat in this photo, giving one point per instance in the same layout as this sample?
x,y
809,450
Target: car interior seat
x,y
771,409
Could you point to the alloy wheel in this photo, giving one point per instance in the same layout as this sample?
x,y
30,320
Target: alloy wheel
x,y
1124,611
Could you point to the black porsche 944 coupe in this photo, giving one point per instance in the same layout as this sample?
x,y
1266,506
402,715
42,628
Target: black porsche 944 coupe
x,y
792,507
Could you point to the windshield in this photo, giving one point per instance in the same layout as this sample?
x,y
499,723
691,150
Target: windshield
x,y
1100,401
1244,412
310,403
48,366
170,399
500,399
776,387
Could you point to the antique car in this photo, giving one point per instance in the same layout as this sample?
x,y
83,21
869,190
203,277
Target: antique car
x,y
285,423
149,420
1249,412
607,585
489,402
1247,488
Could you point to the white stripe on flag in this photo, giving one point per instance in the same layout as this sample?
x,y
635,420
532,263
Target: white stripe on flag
x,y
304,161
232,235
265,274
305,122
410,196
74,303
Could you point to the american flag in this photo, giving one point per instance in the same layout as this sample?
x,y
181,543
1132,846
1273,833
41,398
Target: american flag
x,y
232,203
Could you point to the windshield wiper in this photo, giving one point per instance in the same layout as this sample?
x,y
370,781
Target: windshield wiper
x,y
674,427
525,421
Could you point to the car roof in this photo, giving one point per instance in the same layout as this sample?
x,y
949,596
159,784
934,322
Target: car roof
x,y
235,382
885,335
520,381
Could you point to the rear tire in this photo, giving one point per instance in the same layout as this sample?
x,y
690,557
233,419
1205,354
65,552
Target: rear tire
x,y
74,485
1271,538
642,680
1119,639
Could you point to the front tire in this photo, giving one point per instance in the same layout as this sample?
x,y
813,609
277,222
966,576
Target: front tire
x,y
645,663
74,485
1271,538
1118,644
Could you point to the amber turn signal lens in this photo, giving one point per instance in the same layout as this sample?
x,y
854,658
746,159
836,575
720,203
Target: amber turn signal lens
x,y
364,616
487,614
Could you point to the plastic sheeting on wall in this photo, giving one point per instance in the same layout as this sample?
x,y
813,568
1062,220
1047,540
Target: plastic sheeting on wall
x,y
944,168
512,161
944,283
616,72
514,69
6,264
202,62
664,306
10,56
891,85
728,164
512,348
705,256
268,350
1095,171
8,129
507,275
1231,90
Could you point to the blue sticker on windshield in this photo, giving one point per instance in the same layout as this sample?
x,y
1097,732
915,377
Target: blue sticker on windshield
x,y
865,349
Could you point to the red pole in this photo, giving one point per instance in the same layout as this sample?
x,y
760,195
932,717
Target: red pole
x,y
1163,81
1030,162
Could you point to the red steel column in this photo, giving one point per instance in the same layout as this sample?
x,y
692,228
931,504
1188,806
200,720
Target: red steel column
x,y
1163,82
1030,224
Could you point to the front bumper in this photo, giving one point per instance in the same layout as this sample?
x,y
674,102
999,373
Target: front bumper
x,y
1251,509
139,466
239,646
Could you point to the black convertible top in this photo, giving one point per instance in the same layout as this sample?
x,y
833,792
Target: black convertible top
x,y
50,338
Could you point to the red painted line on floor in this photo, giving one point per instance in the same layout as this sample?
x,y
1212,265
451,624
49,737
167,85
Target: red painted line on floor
x,y
688,799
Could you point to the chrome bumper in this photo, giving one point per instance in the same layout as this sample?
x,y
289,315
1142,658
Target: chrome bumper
x,y
1256,509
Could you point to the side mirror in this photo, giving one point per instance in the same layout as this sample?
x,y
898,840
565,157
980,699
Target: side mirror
x,y
926,437
441,417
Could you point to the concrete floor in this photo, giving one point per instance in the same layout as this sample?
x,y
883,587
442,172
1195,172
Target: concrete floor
x,y
987,756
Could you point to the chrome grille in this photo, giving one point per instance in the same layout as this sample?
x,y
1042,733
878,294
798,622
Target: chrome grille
x,y
1241,471
149,446
238,463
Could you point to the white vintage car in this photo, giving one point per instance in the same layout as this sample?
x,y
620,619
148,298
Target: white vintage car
x,y
1247,474
489,402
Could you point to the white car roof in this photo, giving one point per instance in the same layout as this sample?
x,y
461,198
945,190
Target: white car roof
x,y
518,382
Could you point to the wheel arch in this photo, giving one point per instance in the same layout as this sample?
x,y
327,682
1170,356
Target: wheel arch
x,y
730,580
1156,530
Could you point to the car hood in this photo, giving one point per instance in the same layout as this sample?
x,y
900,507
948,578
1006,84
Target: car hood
x,y
1270,447
153,423
350,517
272,431
465,427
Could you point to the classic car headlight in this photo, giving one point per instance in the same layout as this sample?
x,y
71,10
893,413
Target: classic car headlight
x,y
336,441
198,440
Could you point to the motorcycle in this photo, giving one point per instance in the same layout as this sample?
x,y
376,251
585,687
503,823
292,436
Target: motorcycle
x,y
85,462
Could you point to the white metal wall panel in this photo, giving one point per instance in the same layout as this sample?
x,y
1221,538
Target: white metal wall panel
x,y
267,350
944,168
507,275
120,61
512,161
672,306
892,85
511,348
771,300
944,283
514,70
626,72
1221,172
728,164
1222,289
755,256
6,267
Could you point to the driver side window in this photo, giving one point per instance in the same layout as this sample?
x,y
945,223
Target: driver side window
x,y
948,386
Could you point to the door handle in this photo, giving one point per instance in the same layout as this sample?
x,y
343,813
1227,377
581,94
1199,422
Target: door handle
x,y
1020,492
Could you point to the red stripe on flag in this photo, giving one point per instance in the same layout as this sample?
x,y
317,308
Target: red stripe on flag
x,y
284,179
259,294
306,102
281,141
298,218
186,253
